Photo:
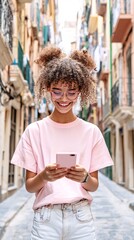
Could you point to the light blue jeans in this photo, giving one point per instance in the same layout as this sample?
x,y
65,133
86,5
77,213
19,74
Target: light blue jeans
x,y
64,222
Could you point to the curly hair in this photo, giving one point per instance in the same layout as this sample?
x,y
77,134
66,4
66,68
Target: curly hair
x,y
76,68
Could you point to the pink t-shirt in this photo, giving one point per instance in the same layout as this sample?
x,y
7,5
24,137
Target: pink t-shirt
x,y
43,139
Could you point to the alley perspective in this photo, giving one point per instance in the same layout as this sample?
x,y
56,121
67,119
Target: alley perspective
x,y
112,210
73,31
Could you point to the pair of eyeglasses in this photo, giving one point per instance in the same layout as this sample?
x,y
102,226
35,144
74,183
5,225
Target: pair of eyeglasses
x,y
71,95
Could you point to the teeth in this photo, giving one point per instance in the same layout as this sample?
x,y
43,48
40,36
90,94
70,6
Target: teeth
x,y
63,105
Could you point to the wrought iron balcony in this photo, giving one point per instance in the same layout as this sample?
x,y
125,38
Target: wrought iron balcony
x,y
122,93
6,27
101,7
6,32
121,20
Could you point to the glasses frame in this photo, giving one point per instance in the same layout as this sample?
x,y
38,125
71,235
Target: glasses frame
x,y
62,94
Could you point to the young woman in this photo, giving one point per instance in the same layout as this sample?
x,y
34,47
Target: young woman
x,y
63,200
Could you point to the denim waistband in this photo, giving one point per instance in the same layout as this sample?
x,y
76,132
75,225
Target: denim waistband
x,y
63,206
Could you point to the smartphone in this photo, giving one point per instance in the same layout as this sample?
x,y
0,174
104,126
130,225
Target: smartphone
x,y
67,160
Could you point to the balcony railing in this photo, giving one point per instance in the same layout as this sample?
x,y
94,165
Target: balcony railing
x,y
121,19
122,93
6,22
120,7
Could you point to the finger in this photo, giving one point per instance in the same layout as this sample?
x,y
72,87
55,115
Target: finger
x,y
77,172
58,170
78,169
76,175
57,176
51,167
74,178
57,173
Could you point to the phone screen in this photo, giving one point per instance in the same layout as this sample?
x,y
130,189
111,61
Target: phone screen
x,y
66,159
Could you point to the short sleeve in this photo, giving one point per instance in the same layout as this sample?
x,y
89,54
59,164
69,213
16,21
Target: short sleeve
x,y
100,157
24,155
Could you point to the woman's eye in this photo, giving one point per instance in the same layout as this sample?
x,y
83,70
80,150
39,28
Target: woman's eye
x,y
57,93
71,93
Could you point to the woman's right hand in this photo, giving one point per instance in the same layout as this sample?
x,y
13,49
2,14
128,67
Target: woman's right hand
x,y
34,181
53,172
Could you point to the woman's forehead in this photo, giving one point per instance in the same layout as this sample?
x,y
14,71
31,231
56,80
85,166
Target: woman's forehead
x,y
61,84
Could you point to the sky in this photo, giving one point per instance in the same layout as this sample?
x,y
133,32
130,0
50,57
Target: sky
x,y
67,13
68,9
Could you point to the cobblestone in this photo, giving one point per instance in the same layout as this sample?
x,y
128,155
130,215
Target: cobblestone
x,y
112,215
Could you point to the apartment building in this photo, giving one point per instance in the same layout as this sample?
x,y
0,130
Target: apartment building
x,y
117,78
107,31
25,27
122,92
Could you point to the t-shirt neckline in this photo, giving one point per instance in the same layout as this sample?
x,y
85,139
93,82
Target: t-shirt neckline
x,y
62,125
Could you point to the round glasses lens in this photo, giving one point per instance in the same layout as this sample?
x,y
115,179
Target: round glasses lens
x,y
70,95
56,95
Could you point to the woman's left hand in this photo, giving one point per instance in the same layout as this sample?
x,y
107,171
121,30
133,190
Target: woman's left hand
x,y
77,173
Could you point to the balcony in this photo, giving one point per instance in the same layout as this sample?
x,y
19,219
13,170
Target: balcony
x,y
121,97
101,7
20,73
104,73
5,53
122,21
17,79
6,32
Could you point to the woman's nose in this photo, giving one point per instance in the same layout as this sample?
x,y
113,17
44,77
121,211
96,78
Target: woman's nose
x,y
64,96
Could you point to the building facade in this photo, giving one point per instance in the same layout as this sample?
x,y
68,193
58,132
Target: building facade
x,y
29,27
121,120
109,38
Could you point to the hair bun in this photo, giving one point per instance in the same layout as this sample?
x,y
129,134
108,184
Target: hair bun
x,y
84,57
48,54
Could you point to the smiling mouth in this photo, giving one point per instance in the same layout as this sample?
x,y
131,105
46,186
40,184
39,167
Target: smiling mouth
x,y
63,104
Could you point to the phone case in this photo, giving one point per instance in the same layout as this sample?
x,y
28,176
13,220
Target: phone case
x,y
66,159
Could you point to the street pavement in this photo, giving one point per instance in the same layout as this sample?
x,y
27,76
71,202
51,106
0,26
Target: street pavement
x,y
114,219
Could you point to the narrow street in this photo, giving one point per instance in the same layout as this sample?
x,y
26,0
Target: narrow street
x,y
113,217
86,74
